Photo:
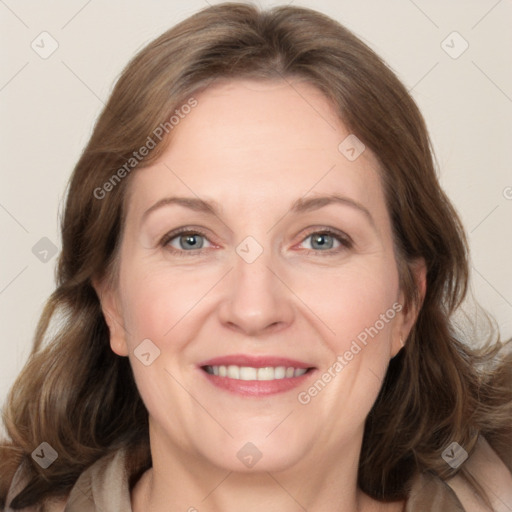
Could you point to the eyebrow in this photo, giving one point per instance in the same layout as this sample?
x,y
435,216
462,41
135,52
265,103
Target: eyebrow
x,y
301,205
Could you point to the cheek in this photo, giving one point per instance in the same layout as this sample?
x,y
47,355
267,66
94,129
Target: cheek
x,y
353,302
154,304
360,307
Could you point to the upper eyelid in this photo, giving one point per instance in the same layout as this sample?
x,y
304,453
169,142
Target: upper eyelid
x,y
171,235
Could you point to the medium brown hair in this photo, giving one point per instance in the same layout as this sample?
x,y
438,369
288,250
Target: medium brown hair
x,y
81,398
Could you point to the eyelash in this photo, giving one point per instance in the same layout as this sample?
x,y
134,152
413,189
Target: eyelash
x,y
345,241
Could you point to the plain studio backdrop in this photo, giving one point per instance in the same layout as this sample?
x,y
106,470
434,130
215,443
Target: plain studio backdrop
x,y
61,58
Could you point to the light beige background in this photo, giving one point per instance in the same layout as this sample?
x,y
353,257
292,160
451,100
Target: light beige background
x,y
48,108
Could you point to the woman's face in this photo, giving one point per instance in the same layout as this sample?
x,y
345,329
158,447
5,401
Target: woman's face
x,y
285,266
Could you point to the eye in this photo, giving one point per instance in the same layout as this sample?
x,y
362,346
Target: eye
x,y
185,240
192,241
327,240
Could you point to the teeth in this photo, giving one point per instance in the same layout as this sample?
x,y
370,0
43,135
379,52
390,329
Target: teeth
x,y
279,372
233,371
266,373
248,373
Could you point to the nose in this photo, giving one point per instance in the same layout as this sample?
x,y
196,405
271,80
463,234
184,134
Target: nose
x,y
257,301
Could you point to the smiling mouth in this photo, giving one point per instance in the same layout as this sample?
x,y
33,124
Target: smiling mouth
x,y
254,376
249,373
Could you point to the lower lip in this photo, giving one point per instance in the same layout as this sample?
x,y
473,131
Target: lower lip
x,y
256,388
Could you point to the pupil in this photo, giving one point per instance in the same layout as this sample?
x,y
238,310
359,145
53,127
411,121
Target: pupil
x,y
190,240
320,240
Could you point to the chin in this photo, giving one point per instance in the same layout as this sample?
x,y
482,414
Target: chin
x,y
255,451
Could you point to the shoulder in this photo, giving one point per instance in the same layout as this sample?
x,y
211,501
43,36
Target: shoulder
x,y
102,486
55,505
490,471
50,505
493,472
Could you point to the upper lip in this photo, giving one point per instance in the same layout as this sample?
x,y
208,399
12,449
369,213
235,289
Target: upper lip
x,y
254,361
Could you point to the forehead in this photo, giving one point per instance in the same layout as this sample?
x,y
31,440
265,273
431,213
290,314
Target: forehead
x,y
250,141
283,119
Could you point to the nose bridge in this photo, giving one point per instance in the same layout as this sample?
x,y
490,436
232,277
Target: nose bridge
x,y
251,269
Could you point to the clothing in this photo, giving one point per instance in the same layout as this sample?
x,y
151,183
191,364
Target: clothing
x,y
103,487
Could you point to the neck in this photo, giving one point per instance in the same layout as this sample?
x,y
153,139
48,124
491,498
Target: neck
x,y
190,484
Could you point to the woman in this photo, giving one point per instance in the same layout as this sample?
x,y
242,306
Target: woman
x,y
258,274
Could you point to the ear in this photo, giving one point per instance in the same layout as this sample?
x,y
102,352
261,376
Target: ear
x,y
408,315
113,317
